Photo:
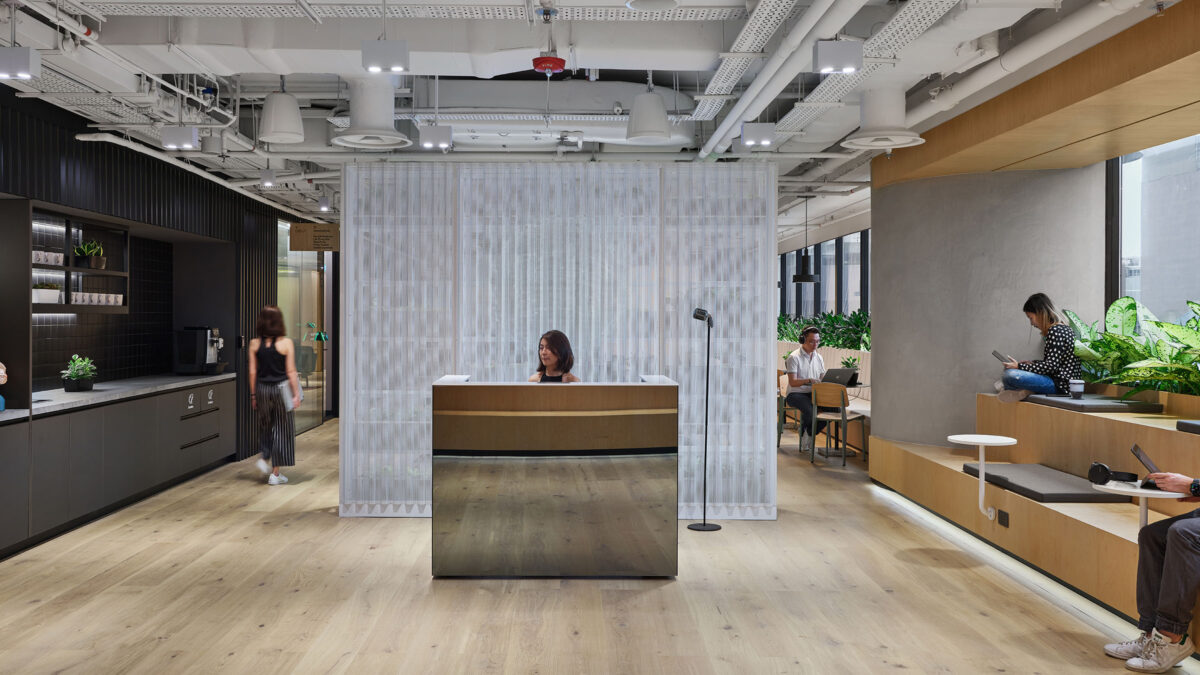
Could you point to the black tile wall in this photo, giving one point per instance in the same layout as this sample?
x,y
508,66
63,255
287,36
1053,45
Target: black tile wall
x,y
122,346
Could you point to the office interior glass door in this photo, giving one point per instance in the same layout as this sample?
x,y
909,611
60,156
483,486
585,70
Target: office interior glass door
x,y
301,297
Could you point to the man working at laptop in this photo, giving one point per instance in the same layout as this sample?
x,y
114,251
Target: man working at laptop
x,y
804,367
1167,579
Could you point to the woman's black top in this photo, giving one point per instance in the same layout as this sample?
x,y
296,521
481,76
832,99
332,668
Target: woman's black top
x,y
272,366
550,378
1059,362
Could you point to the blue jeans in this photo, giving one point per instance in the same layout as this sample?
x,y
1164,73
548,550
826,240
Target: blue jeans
x,y
1015,378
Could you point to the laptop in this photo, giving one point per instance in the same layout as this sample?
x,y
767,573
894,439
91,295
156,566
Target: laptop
x,y
847,377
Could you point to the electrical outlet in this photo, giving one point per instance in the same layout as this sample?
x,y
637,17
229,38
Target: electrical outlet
x,y
1002,518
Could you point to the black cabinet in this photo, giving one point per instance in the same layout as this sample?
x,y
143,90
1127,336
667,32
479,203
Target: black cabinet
x,y
50,454
85,463
14,483
131,451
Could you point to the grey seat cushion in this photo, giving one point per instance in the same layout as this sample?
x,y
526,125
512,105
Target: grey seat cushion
x,y
1043,484
1096,403
1188,425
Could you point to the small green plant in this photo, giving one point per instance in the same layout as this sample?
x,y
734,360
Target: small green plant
x,y
89,249
316,335
841,331
79,368
47,286
850,362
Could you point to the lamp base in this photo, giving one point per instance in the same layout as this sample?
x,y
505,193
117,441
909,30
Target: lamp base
x,y
704,527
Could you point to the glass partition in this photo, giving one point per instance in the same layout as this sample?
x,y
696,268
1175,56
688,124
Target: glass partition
x,y
301,297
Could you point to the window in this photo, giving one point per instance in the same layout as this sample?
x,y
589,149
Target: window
x,y
1160,232
850,285
789,288
828,276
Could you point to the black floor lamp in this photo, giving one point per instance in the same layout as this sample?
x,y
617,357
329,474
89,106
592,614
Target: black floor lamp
x,y
705,526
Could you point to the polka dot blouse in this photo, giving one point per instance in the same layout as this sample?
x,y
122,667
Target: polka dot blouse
x,y
1059,362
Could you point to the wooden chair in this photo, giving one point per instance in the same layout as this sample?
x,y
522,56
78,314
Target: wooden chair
x,y
831,403
786,412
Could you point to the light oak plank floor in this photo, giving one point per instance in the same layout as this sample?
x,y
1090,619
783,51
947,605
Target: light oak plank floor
x,y
225,574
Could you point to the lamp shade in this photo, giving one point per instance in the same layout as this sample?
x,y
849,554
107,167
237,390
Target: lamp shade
x,y
281,121
648,120
805,275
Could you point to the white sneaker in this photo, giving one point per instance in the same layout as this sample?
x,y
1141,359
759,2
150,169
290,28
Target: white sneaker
x,y
263,466
1160,654
1013,395
999,385
806,443
1128,649
276,479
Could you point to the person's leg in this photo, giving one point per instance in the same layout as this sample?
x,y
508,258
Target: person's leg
x,y
803,403
1015,379
1180,575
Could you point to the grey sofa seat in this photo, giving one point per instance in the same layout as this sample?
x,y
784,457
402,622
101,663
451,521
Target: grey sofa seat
x,y
1043,484
1096,403
1192,426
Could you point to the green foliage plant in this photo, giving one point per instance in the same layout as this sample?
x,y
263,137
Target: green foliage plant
x,y
89,249
850,362
1136,350
79,368
841,331
47,286
316,335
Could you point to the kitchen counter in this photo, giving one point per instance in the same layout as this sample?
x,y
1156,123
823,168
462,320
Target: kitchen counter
x,y
57,401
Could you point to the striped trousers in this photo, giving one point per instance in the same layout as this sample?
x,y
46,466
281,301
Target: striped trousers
x,y
276,425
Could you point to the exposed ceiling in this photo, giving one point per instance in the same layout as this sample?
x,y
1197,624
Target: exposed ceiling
x,y
135,67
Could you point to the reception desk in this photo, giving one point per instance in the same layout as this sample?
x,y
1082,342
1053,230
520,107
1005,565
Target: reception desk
x,y
549,480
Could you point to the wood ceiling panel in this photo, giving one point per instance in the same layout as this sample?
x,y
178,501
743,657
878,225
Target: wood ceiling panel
x,y
1125,94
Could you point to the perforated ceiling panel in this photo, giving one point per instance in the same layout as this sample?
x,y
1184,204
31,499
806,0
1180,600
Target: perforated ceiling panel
x,y
100,107
766,19
253,10
343,122
907,25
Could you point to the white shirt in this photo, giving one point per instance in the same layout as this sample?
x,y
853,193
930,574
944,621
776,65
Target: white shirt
x,y
804,366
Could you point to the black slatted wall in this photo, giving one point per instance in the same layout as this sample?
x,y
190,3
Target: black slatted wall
x,y
40,159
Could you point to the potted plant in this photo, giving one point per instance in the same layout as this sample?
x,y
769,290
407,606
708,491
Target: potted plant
x,y
91,253
80,374
850,362
45,293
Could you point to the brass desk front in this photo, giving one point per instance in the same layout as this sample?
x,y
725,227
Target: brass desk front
x,y
555,480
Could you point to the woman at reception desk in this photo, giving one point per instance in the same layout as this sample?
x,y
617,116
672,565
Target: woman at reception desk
x,y
532,481
555,359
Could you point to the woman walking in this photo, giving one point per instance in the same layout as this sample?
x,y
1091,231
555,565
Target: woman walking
x,y
274,393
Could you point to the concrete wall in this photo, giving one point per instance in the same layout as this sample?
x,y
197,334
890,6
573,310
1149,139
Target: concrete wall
x,y
953,260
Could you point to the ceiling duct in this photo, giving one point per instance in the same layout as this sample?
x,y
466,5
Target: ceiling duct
x,y
372,116
882,128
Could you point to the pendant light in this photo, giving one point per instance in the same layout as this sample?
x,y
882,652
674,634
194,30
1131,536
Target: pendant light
x,y
648,123
805,276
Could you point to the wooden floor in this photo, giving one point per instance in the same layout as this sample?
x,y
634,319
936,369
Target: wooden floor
x,y
226,574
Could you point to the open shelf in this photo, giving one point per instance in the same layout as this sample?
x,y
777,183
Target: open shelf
x,y
88,270
60,308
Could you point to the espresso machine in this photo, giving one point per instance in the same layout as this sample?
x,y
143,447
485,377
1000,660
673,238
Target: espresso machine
x,y
198,351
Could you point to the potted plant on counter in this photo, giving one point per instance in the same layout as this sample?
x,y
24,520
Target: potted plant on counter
x,y
90,254
80,374
45,293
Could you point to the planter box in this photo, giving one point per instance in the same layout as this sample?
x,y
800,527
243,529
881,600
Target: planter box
x,y
46,296
77,385
1184,406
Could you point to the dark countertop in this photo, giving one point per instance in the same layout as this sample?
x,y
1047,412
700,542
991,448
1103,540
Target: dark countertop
x,y
57,400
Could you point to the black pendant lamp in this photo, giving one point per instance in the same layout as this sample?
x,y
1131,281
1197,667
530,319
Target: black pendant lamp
x,y
806,275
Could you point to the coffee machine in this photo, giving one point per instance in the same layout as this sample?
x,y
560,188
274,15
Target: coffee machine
x,y
197,351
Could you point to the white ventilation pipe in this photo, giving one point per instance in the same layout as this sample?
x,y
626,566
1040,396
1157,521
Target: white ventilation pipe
x,y
147,150
881,121
292,178
372,116
1072,26
824,17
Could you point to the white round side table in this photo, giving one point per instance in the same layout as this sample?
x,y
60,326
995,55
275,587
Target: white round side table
x,y
983,441
1144,496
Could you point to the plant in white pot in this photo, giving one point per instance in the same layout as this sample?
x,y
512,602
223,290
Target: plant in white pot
x,y
80,374
46,293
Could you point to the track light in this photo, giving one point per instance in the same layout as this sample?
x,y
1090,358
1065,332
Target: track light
x,y
266,178
438,136
758,134
837,56
323,203
20,63
180,138
381,55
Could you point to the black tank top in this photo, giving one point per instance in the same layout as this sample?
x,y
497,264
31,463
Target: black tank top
x,y
550,378
272,366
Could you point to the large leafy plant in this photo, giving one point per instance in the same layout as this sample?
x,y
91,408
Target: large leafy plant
x,y
79,368
1137,350
842,331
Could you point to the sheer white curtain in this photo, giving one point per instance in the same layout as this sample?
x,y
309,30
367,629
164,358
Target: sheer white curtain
x,y
459,268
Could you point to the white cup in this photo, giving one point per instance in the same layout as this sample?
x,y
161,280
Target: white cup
x,y
56,258
110,298
1076,388
39,257
119,299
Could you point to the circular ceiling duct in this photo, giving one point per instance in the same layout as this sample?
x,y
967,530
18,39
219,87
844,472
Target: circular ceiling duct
x,y
372,116
882,122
